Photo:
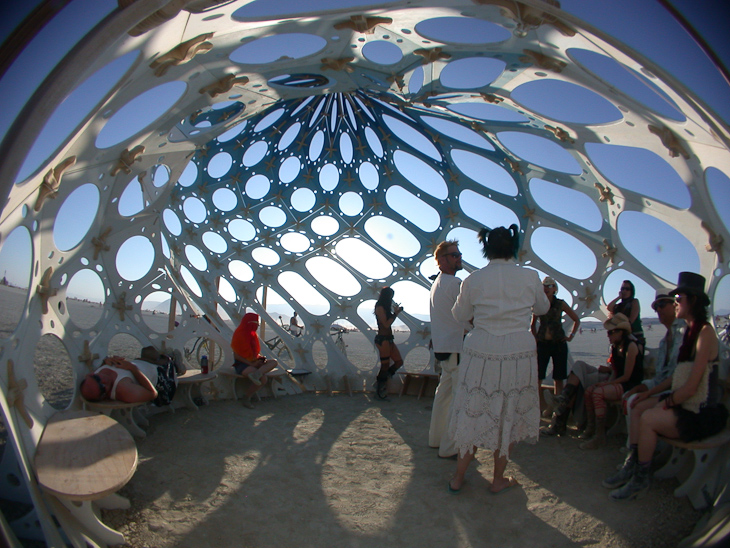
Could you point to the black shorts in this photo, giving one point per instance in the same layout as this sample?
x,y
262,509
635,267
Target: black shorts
x,y
380,339
558,351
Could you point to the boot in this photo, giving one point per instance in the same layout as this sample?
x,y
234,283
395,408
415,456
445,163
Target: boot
x,y
381,386
561,403
558,425
637,486
590,429
624,474
599,439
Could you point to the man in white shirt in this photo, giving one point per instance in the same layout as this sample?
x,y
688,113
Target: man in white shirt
x,y
447,339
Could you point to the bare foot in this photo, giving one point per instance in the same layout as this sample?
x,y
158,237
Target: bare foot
x,y
455,485
503,485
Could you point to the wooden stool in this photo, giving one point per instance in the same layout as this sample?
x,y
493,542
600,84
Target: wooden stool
x,y
407,380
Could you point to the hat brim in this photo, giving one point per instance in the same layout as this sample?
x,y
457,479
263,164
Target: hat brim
x,y
692,291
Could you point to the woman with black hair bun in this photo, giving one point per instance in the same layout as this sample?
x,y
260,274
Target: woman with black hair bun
x,y
386,311
496,403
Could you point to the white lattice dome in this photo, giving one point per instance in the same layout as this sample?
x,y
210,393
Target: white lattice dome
x,y
204,150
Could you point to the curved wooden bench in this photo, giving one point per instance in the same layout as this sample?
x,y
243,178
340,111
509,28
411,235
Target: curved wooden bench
x,y
188,387
126,414
83,458
706,457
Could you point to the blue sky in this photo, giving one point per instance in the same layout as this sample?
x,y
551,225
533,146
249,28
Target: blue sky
x,y
650,30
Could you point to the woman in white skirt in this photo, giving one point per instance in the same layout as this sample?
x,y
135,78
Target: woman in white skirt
x,y
496,403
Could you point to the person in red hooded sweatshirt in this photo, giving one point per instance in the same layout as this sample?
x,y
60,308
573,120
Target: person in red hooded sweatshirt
x,y
247,355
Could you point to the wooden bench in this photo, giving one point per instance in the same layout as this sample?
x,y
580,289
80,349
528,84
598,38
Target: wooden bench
x,y
127,414
425,377
189,388
705,460
83,458
275,377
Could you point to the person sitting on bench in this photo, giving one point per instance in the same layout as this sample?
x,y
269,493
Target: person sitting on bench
x,y
137,381
247,354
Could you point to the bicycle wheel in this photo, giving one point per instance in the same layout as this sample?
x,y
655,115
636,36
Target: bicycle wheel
x,y
284,353
208,347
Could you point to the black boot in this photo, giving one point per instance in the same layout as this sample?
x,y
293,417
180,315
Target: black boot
x,y
625,473
637,486
558,425
381,386
561,403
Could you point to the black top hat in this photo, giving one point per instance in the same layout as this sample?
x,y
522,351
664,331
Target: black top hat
x,y
691,283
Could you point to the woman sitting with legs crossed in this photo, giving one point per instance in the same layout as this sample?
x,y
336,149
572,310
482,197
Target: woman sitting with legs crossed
x,y
247,354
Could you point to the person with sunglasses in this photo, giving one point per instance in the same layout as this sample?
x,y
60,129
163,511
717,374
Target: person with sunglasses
x,y
643,395
693,410
447,340
386,311
627,304
131,381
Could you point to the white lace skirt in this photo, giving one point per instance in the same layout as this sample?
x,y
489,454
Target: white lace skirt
x,y
496,402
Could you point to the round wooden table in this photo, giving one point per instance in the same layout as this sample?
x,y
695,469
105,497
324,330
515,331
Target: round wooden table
x,y
84,456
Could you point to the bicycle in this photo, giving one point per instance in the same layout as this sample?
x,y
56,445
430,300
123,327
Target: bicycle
x,y
336,333
204,346
277,345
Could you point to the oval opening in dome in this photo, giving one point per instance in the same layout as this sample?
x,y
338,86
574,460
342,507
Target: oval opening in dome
x,y
189,174
194,210
718,185
215,242
84,294
276,47
484,171
225,199
656,245
190,281
351,204
628,81
265,256
131,201
421,175
303,199
135,258
172,222
289,136
563,252
219,165
413,209
71,112
258,186
241,230
413,297
566,102
412,137
567,203
240,270
304,293
289,169
392,236
16,256
486,212
462,30
641,171
75,216
139,113
540,151
363,258
369,176
295,242
471,72
272,216
255,153
325,225
333,276
382,52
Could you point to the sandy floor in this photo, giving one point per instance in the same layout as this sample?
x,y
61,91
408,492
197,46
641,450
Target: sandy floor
x,y
313,470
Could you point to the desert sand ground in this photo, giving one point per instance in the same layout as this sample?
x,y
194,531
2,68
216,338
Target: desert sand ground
x,y
312,470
